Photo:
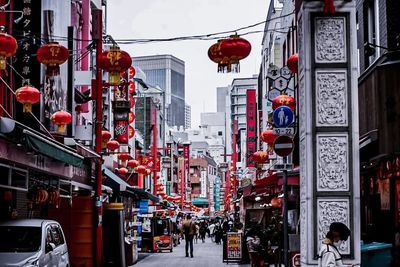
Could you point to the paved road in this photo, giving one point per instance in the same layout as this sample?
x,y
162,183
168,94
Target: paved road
x,y
206,254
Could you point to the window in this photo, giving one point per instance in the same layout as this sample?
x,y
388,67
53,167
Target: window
x,y
371,31
219,133
20,239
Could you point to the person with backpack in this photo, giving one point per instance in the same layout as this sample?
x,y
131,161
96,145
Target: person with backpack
x,y
329,255
189,229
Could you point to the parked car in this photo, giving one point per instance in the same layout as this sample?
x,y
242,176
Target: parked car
x,y
32,242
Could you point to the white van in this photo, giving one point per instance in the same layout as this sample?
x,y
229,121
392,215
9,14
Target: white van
x,y
32,242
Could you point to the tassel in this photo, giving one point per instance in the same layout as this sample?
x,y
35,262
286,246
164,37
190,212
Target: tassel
x,y
329,7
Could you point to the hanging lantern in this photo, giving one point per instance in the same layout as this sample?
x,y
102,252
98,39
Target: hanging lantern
x,y
38,196
27,96
52,55
293,63
122,172
329,7
61,118
123,157
132,87
54,197
131,72
214,53
276,202
132,164
235,49
284,100
105,137
260,157
268,136
8,47
141,169
115,61
112,145
131,132
131,117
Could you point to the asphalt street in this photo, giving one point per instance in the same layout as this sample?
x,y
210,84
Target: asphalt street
x,y
206,254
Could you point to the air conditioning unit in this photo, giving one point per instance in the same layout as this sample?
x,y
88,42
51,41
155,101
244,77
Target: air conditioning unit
x,y
84,132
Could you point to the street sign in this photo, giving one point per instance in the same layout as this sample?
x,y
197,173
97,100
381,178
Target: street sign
x,y
281,83
283,145
286,73
283,131
272,93
282,117
273,72
281,167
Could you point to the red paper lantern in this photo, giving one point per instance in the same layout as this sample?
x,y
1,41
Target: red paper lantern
x,y
112,145
228,52
293,63
123,157
276,202
8,47
52,55
131,117
27,96
54,197
141,169
132,163
39,196
105,137
284,100
260,157
122,172
61,118
115,61
268,136
131,72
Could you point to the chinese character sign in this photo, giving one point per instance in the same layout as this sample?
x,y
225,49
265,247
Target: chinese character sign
x,y
251,109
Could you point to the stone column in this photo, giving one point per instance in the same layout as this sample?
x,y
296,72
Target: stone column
x,y
329,139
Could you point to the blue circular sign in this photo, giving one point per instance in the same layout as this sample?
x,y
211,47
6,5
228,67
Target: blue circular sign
x,y
282,116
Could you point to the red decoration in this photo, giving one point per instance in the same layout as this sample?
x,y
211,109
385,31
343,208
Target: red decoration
x,y
329,7
132,72
39,196
27,96
293,63
132,87
131,117
131,132
276,202
228,52
141,169
260,157
148,171
133,101
115,61
284,100
8,196
132,163
123,157
105,137
54,197
121,131
112,145
8,47
122,172
61,118
268,136
52,55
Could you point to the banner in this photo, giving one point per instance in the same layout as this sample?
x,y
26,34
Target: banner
x,y
234,246
251,109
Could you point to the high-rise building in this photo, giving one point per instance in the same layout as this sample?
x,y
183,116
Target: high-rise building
x,y
167,72
188,116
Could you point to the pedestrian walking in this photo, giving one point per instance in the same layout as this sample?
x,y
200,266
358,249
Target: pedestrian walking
x,y
329,255
189,229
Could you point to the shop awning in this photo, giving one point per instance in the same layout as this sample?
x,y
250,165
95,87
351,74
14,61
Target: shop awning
x,y
52,149
200,201
120,185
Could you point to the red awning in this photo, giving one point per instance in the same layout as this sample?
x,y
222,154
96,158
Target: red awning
x,y
264,185
292,180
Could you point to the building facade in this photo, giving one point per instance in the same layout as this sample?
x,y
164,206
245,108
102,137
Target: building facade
x,y
188,116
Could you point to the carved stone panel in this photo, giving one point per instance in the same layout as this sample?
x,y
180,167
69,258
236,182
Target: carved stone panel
x,y
300,43
329,211
331,98
330,42
332,162
303,170
302,107
303,232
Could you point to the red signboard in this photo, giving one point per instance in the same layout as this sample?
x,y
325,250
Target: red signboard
x,y
251,110
186,154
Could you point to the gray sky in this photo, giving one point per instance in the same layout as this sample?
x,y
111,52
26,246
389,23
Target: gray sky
x,y
172,18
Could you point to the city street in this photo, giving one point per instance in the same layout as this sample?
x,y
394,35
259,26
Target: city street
x,y
205,255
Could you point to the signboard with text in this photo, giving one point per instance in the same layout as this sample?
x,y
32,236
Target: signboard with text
x,y
251,110
234,246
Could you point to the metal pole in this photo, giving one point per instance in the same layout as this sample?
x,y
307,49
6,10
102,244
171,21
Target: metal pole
x,y
154,150
98,29
285,220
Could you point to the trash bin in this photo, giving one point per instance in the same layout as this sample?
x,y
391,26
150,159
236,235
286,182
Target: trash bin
x,y
376,254
131,251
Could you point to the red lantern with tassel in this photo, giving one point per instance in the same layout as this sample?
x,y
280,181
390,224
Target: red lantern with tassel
x,y
105,137
122,172
52,55
123,157
141,169
235,49
268,136
293,63
284,100
61,118
115,61
112,145
260,157
8,47
132,164
27,96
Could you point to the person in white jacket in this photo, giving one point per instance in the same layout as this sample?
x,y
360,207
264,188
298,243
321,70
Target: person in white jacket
x,y
329,255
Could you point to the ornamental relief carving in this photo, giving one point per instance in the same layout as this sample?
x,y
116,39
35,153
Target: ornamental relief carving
x,y
332,163
302,107
331,98
300,43
303,233
330,45
330,211
303,188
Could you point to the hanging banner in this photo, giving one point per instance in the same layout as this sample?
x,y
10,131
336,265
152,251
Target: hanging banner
x,y
251,109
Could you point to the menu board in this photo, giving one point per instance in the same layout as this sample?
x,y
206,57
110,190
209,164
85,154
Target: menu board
x,y
234,247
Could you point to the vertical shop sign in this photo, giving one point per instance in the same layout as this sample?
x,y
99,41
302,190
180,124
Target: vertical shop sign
x,y
217,193
203,184
121,111
169,154
251,109
186,169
